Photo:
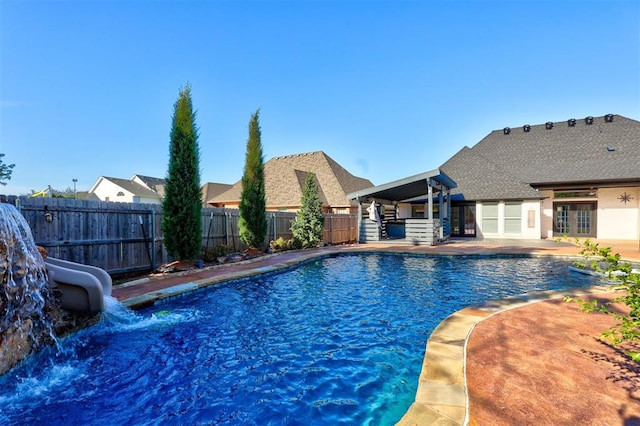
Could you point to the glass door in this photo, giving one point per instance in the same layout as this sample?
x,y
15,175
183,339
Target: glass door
x,y
576,219
463,220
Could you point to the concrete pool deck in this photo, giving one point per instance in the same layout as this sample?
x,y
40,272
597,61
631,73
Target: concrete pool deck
x,y
476,370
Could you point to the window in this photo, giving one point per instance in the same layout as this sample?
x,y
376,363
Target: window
x,y
120,194
512,218
418,211
490,218
576,194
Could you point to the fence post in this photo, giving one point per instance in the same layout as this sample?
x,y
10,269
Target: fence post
x,y
275,226
153,240
226,228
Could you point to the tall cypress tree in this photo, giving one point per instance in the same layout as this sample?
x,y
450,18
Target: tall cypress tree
x,y
308,226
253,215
182,205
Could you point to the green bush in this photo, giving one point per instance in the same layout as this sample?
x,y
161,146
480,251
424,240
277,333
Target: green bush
x,y
627,327
281,245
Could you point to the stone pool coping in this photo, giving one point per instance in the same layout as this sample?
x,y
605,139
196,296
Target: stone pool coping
x,y
441,397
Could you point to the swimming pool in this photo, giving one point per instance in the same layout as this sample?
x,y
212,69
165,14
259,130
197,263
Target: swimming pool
x,y
335,340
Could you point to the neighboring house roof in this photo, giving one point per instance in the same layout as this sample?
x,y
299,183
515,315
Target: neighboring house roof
x,y
135,188
285,176
154,183
211,189
505,163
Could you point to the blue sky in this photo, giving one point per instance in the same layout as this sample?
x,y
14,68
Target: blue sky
x,y
388,89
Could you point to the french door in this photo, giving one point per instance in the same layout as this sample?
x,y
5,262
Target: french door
x,y
577,219
463,220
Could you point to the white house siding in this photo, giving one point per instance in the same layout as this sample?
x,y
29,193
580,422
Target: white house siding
x,y
404,210
617,220
145,200
547,214
490,225
107,191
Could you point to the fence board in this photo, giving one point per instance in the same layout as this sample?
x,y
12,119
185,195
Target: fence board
x,y
111,236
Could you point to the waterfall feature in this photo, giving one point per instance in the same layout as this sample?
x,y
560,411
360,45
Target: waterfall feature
x,y
27,307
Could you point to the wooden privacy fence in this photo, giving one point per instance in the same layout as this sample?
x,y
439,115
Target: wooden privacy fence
x,y
127,237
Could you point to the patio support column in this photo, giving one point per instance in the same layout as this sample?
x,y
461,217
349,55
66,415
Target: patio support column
x,y
430,199
448,211
441,205
359,220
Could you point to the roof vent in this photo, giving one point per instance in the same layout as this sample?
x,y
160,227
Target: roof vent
x,y
611,148
548,125
571,122
608,118
526,128
506,130
588,120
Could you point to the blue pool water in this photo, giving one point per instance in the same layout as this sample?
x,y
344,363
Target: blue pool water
x,y
336,340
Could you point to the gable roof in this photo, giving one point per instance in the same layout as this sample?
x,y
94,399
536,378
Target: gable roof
x,y
133,187
506,162
477,178
212,189
153,183
284,181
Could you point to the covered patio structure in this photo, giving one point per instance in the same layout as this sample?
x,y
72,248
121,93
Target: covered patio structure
x,y
415,210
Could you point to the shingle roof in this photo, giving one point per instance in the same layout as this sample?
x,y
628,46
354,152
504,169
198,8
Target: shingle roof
x,y
212,189
156,184
503,164
477,178
133,187
284,181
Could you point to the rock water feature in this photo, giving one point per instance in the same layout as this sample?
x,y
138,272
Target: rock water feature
x,y
28,309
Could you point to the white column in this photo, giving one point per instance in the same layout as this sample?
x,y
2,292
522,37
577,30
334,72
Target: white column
x,y
429,200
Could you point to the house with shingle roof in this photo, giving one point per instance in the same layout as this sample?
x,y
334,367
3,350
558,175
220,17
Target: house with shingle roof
x,y
153,183
143,189
284,181
212,189
124,191
579,178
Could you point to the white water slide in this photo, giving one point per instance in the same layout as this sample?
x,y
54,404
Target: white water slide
x,y
83,287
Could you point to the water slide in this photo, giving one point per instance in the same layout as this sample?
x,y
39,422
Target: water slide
x,y
83,287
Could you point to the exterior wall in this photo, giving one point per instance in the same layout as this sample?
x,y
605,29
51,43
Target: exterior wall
x,y
618,220
615,219
404,210
547,214
530,220
146,200
107,191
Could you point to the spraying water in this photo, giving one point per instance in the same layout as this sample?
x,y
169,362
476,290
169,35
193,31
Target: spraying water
x,y
27,309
